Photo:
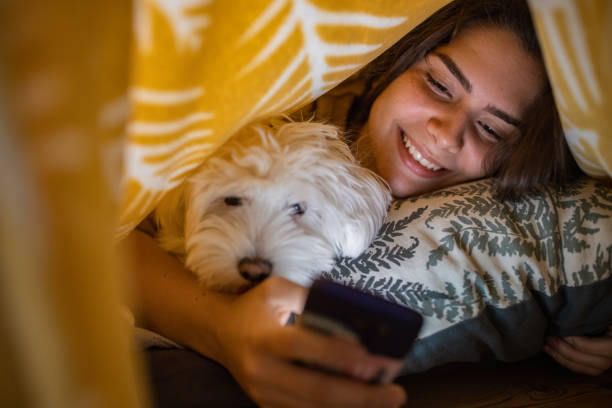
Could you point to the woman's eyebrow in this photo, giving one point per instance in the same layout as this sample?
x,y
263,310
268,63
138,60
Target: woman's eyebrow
x,y
504,116
467,85
454,69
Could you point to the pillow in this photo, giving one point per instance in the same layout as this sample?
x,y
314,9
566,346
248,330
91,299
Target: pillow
x,y
492,279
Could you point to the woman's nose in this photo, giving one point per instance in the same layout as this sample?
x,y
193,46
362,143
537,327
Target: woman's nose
x,y
447,131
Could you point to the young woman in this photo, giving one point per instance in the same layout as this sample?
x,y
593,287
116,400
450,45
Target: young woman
x,y
462,97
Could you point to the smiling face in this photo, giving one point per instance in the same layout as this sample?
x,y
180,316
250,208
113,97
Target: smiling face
x,y
434,124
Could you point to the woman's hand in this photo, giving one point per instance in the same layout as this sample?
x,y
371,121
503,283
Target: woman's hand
x,y
246,334
586,355
260,352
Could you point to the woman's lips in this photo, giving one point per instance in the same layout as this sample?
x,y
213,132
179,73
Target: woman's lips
x,y
410,162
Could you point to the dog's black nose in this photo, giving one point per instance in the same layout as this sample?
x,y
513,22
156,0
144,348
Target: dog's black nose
x,y
254,269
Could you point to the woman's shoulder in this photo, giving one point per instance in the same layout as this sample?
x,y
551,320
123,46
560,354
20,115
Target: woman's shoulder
x,y
333,106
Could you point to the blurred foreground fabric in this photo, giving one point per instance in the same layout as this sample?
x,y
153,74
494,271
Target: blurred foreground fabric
x,y
63,80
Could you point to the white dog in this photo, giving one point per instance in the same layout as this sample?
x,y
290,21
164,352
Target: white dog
x,y
280,199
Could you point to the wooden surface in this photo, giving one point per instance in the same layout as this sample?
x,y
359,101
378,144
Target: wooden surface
x,y
539,382
183,378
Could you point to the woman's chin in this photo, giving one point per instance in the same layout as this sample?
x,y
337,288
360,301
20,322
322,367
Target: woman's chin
x,y
402,187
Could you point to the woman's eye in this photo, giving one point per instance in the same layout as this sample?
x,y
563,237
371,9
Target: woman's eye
x,y
233,201
297,209
439,88
490,131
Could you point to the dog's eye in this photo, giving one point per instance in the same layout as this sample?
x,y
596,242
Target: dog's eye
x,y
297,209
233,201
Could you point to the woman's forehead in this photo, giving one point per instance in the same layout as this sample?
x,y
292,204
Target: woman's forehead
x,y
492,62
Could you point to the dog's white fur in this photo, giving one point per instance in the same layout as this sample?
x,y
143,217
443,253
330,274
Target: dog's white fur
x,y
271,168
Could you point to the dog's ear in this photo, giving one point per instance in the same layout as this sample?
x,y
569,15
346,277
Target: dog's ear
x,y
364,207
357,198
360,199
180,209
170,219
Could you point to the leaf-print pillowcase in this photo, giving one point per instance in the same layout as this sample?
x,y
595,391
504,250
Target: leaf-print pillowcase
x,y
492,279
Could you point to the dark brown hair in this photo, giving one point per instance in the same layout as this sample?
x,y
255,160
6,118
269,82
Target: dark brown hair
x,y
541,155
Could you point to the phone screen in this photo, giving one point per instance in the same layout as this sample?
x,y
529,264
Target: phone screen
x,y
383,327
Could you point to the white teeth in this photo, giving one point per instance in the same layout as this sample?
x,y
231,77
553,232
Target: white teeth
x,y
418,156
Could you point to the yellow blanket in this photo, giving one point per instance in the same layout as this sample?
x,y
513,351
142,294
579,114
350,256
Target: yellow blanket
x,y
202,69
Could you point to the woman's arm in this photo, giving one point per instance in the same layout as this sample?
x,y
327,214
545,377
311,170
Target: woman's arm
x,y
246,334
165,297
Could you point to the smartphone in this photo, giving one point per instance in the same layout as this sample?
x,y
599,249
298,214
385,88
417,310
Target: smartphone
x,y
381,326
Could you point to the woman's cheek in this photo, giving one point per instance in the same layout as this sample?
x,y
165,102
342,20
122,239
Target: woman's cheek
x,y
473,161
